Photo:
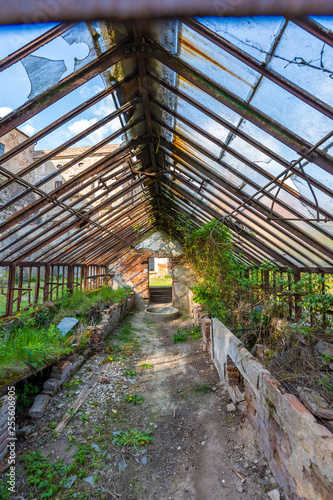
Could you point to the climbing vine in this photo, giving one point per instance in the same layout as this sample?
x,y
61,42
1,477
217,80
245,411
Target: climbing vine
x,y
224,283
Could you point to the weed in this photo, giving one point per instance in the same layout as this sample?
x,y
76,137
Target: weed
x,y
126,332
111,358
4,489
129,373
327,358
113,348
179,337
133,438
147,366
186,332
43,474
203,388
73,384
134,398
25,398
83,418
52,425
32,346
325,382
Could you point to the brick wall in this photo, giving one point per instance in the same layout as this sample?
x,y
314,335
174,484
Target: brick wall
x,y
298,449
132,270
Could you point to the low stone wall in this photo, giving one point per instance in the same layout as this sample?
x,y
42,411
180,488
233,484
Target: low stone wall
x,y
299,450
63,370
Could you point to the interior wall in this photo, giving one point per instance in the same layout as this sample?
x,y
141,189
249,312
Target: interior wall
x,y
132,270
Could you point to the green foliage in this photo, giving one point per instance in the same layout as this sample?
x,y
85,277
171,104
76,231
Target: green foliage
x,y
133,438
224,281
126,332
45,475
32,346
26,396
204,389
81,302
179,337
4,491
325,382
185,333
209,251
73,384
129,373
147,366
134,399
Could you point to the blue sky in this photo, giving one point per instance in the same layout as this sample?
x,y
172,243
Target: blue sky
x,y
15,88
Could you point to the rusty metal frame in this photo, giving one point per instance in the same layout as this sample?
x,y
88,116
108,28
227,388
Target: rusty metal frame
x,y
31,11
245,179
149,192
37,43
234,130
239,157
233,102
204,194
197,165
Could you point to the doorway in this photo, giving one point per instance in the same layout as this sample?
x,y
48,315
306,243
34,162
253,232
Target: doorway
x,y
160,280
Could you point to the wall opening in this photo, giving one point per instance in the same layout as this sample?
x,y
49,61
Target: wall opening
x,y
160,280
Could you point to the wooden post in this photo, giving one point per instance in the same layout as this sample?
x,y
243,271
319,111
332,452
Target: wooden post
x,y
46,283
311,308
20,285
85,272
70,278
37,285
290,301
29,286
323,291
266,284
10,290
298,309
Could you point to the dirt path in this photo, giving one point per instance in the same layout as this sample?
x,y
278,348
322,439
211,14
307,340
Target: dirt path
x,y
201,451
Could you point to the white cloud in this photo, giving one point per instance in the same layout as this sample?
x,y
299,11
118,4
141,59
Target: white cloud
x,y
105,107
4,111
81,125
28,129
104,131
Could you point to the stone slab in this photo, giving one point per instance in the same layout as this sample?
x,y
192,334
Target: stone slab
x,y
66,324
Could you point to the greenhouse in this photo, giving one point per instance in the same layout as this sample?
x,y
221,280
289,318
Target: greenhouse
x,y
166,250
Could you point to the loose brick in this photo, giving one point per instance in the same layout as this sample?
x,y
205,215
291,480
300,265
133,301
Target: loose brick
x,y
51,386
61,368
38,408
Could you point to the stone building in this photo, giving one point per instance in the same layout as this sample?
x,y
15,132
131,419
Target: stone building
x,y
14,165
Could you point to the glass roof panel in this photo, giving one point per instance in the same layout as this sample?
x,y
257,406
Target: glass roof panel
x,y
289,111
305,60
253,35
217,64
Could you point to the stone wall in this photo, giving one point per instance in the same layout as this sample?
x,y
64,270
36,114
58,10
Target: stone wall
x,y
132,270
14,165
299,450
181,283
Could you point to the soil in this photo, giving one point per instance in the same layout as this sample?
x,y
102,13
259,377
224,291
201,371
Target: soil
x,y
202,448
